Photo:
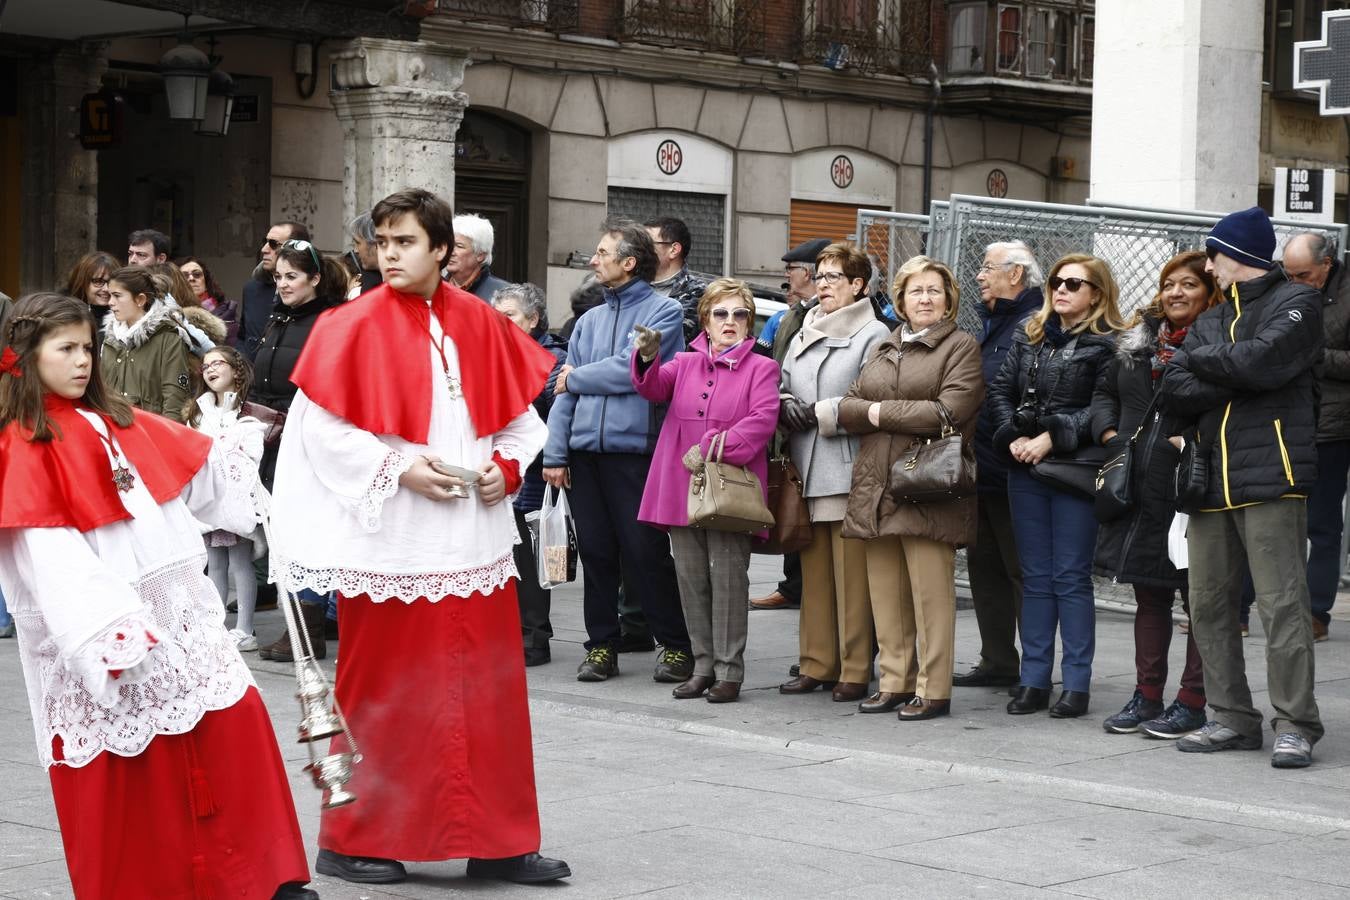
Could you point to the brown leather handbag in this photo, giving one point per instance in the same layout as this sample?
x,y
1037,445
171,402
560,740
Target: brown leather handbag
x,y
933,470
791,531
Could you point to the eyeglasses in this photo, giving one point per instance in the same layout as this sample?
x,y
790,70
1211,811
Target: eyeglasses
x,y
215,364
273,243
193,274
302,246
989,267
925,292
1073,284
664,243
796,267
740,314
828,277
99,282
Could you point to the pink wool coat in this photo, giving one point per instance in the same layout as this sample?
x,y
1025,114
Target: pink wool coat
x,y
737,393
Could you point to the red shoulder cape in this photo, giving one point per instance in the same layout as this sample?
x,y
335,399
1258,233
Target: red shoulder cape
x,y
368,361
66,482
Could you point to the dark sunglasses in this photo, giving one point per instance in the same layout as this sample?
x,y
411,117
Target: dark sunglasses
x,y
1073,284
274,244
740,314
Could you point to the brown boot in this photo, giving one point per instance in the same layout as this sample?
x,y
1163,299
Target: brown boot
x,y
312,616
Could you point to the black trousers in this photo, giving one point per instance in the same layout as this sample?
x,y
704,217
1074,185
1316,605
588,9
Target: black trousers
x,y
996,584
535,628
791,585
606,492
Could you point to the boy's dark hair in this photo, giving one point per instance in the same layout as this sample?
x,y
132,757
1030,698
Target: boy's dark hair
x,y
634,241
158,239
21,396
431,212
673,230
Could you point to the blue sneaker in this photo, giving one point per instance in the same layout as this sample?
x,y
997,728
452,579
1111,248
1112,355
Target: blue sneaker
x,y
1138,710
1178,720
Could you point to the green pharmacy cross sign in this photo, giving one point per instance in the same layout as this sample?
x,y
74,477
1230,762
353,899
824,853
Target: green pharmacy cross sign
x,y
1324,66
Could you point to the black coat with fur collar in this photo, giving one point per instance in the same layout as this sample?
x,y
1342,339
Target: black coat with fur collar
x,y
1133,549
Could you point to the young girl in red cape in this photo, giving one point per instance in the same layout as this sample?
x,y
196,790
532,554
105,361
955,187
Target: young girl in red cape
x,y
164,768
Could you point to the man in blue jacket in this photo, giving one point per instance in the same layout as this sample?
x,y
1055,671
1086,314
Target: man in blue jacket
x,y
1010,288
600,441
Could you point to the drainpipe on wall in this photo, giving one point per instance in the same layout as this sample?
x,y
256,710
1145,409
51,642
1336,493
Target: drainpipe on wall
x,y
934,92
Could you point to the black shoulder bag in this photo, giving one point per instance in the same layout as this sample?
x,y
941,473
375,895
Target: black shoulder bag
x,y
1114,496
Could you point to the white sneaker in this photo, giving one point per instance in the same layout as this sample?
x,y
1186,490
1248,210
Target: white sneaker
x,y
244,642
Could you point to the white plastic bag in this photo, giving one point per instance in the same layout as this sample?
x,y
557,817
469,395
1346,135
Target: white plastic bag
x,y
1176,541
555,545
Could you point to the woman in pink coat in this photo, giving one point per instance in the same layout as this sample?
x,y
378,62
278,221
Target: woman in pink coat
x,y
718,385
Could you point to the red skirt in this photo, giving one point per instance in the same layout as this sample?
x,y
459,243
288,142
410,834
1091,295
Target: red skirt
x,y
195,816
435,696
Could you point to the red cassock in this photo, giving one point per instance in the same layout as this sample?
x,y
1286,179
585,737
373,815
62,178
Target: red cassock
x,y
434,692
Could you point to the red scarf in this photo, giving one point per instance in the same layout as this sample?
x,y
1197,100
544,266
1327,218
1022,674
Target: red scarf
x,y
1169,339
368,362
66,482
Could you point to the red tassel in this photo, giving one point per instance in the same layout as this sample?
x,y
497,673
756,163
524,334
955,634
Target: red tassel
x,y
203,804
201,884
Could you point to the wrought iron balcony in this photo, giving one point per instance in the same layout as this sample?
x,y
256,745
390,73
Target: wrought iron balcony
x,y
893,36
548,15
732,26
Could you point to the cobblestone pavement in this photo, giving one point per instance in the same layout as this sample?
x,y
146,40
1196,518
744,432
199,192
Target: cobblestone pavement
x,y
797,796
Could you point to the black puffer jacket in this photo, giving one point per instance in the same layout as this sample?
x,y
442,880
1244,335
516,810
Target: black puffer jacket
x,y
1244,378
1065,381
279,350
1133,548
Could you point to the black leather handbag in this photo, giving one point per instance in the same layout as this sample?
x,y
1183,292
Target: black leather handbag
x,y
1073,473
1192,476
1114,487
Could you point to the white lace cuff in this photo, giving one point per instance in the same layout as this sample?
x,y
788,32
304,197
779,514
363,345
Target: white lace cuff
x,y
118,655
513,451
382,487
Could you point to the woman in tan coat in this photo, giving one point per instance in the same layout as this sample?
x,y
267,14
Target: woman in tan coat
x,y
925,364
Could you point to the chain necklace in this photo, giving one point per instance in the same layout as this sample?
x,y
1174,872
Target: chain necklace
x,y
451,382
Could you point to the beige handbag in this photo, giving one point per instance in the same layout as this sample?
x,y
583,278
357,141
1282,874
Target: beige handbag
x,y
723,497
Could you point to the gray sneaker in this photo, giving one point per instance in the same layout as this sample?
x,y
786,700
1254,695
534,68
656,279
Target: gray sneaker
x,y
1292,751
1212,737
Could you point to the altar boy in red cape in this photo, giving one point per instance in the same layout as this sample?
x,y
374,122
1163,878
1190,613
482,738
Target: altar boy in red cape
x,y
412,375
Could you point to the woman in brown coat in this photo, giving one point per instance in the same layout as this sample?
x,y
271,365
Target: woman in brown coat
x,y
925,364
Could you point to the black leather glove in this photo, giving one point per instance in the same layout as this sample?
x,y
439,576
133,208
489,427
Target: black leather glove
x,y
796,415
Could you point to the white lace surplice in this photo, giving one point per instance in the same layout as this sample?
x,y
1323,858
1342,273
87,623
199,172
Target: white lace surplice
x,y
341,523
121,635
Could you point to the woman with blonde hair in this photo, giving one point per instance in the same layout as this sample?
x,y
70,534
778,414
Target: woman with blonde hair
x,y
923,380
1041,401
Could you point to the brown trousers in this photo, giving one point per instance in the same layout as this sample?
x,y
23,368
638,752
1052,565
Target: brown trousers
x,y
912,582
836,616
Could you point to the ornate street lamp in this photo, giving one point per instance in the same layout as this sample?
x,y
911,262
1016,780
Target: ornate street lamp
x,y
186,71
219,104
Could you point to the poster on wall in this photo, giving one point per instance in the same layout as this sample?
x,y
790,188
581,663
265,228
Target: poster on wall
x,y
1305,195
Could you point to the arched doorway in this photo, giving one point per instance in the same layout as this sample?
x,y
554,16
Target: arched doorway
x,y
492,179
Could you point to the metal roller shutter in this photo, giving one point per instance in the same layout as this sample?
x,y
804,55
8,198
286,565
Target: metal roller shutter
x,y
812,219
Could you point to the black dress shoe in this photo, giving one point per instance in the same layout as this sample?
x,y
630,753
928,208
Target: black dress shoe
x,y
528,868
1028,700
537,656
360,869
692,688
982,677
294,890
724,692
884,702
1070,705
803,684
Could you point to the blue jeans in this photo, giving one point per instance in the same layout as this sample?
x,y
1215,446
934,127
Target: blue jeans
x,y
1325,522
1056,533
5,618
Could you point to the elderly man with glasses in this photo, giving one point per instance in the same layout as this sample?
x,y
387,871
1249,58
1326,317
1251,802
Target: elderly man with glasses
x,y
1010,291
260,293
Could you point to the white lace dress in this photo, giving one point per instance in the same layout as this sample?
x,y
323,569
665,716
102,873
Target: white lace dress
x,y
341,523
121,634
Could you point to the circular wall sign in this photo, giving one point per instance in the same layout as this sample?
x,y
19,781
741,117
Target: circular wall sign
x,y
996,185
669,157
841,171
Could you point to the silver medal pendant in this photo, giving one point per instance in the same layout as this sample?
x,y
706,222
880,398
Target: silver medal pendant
x,y
452,383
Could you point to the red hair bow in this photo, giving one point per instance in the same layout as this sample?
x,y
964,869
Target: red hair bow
x,y
9,362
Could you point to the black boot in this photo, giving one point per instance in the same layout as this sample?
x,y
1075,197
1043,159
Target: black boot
x,y
1028,700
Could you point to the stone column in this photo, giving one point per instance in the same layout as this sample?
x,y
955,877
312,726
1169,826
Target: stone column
x,y
60,214
400,107
1176,103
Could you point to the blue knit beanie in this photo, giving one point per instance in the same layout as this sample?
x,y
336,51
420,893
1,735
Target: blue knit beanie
x,y
1246,236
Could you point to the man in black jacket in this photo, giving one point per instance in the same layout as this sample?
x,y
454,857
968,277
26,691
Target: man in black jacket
x,y
1244,378
1010,291
1310,258
260,292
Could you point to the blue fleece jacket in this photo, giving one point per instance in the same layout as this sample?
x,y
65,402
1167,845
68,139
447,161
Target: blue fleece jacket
x,y
601,412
